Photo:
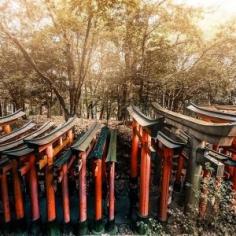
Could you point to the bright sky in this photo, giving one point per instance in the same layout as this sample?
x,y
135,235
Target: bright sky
x,y
217,12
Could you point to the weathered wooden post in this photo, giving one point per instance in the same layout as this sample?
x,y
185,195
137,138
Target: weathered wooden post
x,y
22,162
193,177
145,171
98,154
178,177
7,129
65,195
165,182
33,186
111,160
18,196
83,193
82,148
47,148
168,144
134,154
144,129
62,166
5,198
134,165
98,192
204,193
49,183
212,165
5,167
232,163
234,178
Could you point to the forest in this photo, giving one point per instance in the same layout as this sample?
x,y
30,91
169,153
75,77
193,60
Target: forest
x,y
94,58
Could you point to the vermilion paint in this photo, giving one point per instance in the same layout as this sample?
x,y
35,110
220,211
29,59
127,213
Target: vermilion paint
x,y
144,177
65,194
112,192
167,155
98,189
19,206
83,190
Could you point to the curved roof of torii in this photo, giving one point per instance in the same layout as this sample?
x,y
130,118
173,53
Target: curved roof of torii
x,y
221,133
11,117
212,113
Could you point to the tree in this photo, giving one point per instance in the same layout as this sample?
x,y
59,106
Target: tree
x,y
94,57
70,29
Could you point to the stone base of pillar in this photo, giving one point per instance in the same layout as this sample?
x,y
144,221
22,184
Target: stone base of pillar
x,y
98,227
142,225
83,228
53,228
111,227
67,228
5,228
35,228
19,225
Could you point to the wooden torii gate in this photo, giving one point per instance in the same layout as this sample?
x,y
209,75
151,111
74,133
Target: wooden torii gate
x,y
143,129
110,161
82,148
169,145
18,133
201,132
46,149
104,157
218,116
39,150
7,121
12,154
98,156
166,144
61,167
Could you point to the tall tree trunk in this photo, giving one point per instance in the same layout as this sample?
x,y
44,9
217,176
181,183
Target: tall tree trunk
x,y
102,112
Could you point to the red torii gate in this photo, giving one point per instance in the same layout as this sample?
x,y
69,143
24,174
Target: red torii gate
x,y
110,161
166,144
18,133
143,129
7,121
46,149
10,163
62,166
91,146
81,148
169,145
98,156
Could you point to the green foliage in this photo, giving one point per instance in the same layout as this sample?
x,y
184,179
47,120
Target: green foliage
x,y
151,227
219,219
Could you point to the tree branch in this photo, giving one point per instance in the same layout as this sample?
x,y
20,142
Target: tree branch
x,y
31,61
